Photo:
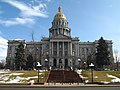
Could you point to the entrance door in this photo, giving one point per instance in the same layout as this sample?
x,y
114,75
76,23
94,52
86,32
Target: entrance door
x,y
60,63
66,63
55,63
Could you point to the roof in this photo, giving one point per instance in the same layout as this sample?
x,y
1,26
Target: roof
x,y
59,15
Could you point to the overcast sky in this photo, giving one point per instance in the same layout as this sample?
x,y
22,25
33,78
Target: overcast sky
x,y
88,20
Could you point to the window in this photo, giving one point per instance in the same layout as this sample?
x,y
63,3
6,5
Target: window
x,y
87,51
60,45
55,53
10,48
66,46
73,46
83,51
66,53
60,53
55,46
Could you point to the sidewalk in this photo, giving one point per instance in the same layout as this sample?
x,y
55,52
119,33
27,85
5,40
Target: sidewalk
x,y
58,85
75,85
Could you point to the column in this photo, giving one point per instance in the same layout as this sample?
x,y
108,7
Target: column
x,y
78,49
68,49
57,62
63,63
63,49
71,49
54,31
57,48
52,48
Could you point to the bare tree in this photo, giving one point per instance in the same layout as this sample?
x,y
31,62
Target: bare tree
x,y
35,49
116,57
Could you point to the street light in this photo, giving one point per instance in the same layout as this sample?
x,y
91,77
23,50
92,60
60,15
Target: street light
x,y
91,66
79,60
46,60
38,65
84,65
50,66
71,65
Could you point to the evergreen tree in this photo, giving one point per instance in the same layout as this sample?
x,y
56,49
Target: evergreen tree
x,y
29,63
102,55
20,59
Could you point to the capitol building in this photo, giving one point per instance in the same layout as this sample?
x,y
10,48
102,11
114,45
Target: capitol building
x,y
59,50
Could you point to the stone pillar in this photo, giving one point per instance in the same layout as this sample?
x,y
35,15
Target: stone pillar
x,y
78,49
68,48
52,48
63,49
71,49
63,63
58,64
57,48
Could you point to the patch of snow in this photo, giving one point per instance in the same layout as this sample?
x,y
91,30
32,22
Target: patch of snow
x,y
111,76
2,81
79,71
105,82
32,82
82,76
5,77
42,70
41,77
28,78
16,80
115,79
95,76
86,81
16,74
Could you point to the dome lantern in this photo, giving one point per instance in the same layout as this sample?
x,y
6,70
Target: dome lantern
x,y
59,9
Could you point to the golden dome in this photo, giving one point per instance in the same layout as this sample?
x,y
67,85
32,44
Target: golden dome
x,y
59,15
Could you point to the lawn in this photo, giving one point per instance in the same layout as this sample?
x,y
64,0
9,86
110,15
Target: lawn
x,y
100,76
23,76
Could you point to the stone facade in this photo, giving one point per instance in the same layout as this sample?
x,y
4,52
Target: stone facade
x,y
59,50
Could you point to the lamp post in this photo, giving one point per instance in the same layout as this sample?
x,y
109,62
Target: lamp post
x,y
91,66
79,60
50,65
84,65
71,65
46,60
38,65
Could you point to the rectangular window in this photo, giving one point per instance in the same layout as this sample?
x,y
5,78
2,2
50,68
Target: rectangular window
x,y
60,45
60,53
55,46
55,53
66,46
66,53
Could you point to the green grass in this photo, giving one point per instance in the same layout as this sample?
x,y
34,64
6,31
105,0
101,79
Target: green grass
x,y
101,75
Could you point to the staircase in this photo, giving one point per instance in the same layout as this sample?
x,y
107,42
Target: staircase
x,y
63,76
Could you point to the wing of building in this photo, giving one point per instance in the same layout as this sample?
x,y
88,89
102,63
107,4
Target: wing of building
x,y
60,49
